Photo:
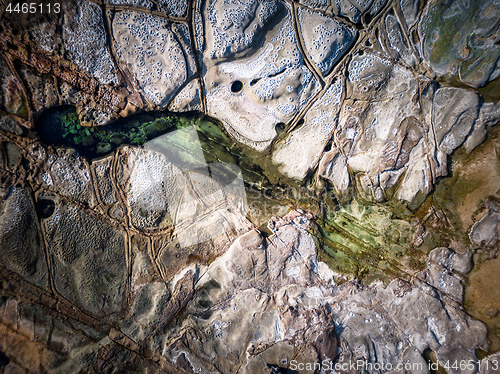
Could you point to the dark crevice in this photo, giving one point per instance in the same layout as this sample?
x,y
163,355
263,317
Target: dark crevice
x,y
480,354
276,74
12,46
275,369
4,360
368,18
254,82
26,164
377,35
405,41
414,36
422,5
328,147
432,362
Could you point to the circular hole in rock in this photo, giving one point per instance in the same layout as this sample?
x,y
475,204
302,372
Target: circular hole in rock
x,y
301,122
237,86
45,208
280,127
4,360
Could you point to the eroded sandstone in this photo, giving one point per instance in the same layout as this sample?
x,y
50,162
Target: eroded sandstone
x,y
135,263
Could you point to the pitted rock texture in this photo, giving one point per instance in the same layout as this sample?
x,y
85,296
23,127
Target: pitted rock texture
x,y
276,82
21,243
263,67
265,303
325,39
369,99
85,42
153,51
303,148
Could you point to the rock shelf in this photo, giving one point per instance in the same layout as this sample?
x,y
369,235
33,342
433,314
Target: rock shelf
x,y
230,186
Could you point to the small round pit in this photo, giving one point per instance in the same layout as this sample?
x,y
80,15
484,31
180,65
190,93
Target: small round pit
x,y
45,208
237,86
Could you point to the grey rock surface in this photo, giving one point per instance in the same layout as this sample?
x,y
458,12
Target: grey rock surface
x,y
154,51
485,232
136,263
275,296
22,246
442,268
85,42
326,40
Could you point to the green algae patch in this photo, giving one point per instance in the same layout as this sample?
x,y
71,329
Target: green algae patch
x,y
369,243
61,126
269,193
